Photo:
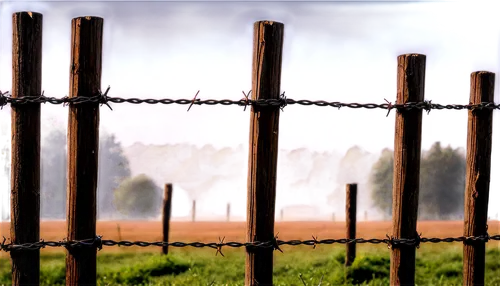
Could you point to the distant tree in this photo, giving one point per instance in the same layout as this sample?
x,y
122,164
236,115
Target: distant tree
x,y
113,169
138,197
381,181
442,182
53,167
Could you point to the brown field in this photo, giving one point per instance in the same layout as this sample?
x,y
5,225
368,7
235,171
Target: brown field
x,y
235,231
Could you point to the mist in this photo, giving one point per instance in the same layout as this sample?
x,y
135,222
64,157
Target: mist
x,y
333,51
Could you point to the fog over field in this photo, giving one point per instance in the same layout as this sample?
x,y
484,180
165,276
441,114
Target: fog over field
x,y
333,51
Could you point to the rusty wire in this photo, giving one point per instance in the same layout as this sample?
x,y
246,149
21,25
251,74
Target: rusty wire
x,y
275,244
282,101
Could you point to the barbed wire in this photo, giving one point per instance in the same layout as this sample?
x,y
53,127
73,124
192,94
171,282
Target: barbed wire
x,y
275,243
281,102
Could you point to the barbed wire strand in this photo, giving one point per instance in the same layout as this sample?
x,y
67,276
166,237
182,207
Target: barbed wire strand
x,y
281,102
275,244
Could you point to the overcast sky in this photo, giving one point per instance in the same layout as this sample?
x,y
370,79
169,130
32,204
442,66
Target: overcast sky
x,y
334,51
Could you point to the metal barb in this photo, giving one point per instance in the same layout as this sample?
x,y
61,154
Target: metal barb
x,y
194,99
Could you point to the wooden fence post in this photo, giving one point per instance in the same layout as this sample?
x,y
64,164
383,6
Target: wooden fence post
x,y
477,178
407,149
263,150
228,212
167,210
350,220
83,138
193,211
25,172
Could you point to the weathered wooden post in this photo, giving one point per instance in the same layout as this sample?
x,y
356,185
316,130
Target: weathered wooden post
x,y
477,178
407,149
263,151
167,210
25,156
83,138
350,220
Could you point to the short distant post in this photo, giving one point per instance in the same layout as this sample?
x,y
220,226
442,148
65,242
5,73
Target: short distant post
x,y
350,219
193,211
167,207
228,212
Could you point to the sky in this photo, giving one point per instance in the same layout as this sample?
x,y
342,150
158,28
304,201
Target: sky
x,y
334,51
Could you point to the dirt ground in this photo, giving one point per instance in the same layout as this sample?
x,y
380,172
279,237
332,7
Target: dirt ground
x,y
236,231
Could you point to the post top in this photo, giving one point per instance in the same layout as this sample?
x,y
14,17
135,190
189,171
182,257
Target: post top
x,y
30,13
268,22
88,18
416,55
483,72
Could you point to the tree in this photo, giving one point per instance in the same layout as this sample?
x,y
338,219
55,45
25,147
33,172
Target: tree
x,y
113,169
381,181
138,197
53,175
442,182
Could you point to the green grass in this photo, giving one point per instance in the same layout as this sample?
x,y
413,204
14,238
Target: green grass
x,y
436,265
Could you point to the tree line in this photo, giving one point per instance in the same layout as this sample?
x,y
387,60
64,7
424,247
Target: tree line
x,y
119,196
442,183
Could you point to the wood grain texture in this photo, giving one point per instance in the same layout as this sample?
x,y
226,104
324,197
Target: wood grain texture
x,y
263,150
350,220
407,150
477,176
25,171
83,138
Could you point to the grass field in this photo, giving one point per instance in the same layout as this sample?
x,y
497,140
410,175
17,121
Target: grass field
x,y
437,264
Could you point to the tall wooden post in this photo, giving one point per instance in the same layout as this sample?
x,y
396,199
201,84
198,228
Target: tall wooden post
x,y
263,152
167,210
350,219
83,136
25,172
477,178
407,145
